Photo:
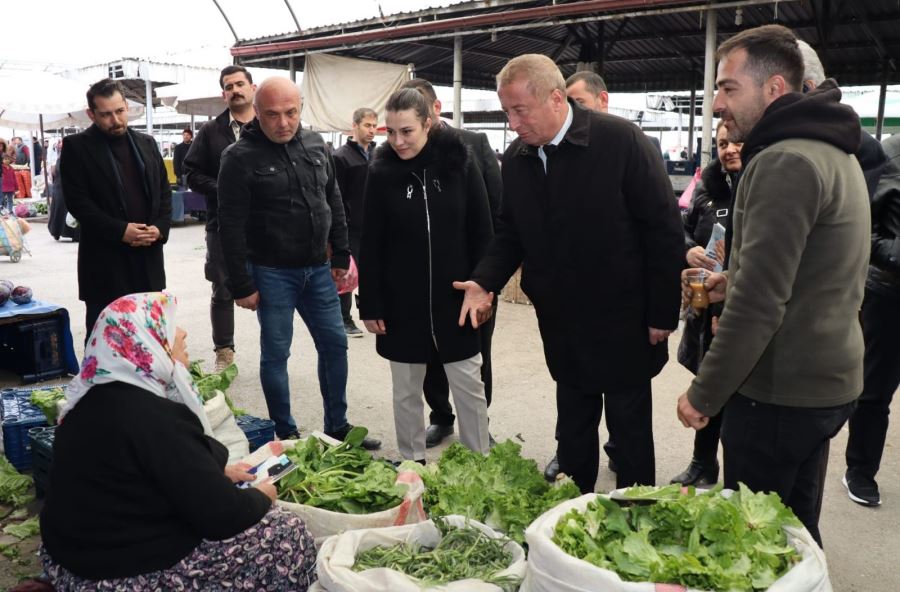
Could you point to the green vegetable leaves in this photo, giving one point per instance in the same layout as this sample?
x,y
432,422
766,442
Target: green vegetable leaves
x,y
209,384
23,530
46,400
343,478
503,490
13,485
462,553
699,540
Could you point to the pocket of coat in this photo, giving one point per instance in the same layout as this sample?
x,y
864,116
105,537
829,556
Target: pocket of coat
x,y
317,163
268,170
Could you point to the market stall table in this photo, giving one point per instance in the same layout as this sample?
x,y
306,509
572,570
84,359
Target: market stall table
x,y
185,202
36,341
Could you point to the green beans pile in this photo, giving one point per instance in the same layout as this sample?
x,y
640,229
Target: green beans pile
x,y
461,554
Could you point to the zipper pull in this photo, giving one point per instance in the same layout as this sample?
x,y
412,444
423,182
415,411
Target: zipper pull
x,y
437,185
409,191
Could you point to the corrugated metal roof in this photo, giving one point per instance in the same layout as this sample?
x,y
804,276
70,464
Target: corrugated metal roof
x,y
655,52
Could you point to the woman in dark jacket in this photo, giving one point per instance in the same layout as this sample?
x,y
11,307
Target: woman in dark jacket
x,y
140,497
711,204
427,222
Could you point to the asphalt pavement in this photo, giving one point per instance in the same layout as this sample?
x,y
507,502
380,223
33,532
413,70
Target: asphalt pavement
x,y
862,544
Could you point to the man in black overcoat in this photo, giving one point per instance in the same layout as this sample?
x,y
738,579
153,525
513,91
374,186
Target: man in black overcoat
x,y
587,208
116,186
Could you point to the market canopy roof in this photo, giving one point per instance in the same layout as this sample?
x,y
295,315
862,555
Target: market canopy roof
x,y
638,45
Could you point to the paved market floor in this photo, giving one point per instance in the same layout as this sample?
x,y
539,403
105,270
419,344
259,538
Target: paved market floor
x,y
862,545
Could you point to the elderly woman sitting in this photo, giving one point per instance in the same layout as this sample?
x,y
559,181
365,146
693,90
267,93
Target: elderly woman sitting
x,y
140,497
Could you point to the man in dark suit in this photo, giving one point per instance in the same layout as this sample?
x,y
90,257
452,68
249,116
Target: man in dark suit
x,y
437,390
201,166
116,186
587,206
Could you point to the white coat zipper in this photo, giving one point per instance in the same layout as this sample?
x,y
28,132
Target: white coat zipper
x,y
423,180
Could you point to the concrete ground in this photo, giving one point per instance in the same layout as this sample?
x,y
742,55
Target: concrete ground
x,y
862,544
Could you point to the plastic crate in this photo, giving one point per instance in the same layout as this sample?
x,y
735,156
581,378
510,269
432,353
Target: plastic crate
x,y
258,431
42,457
33,349
18,416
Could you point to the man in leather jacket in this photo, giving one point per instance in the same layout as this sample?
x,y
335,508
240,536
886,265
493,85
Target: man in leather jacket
x,y
279,209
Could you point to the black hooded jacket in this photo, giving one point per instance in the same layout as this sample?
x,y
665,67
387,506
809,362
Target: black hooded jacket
x,y
790,335
427,223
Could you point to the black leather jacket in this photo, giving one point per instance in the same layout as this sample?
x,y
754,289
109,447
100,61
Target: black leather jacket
x,y
884,264
279,206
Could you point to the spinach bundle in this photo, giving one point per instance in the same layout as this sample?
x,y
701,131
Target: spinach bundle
x,y
462,553
503,490
343,478
703,541
208,384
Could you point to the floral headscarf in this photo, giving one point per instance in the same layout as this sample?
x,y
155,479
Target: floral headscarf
x,y
132,342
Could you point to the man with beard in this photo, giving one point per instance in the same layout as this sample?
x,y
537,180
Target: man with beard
x,y
116,186
787,361
201,166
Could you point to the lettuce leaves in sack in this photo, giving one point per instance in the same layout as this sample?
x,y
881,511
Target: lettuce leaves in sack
x,y
208,385
700,540
503,490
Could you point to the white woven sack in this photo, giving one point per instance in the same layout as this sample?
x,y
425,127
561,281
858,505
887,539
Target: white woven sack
x,y
325,523
338,554
550,569
225,428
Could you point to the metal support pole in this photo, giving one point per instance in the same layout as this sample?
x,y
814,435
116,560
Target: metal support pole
x,y
457,81
148,91
882,97
292,69
709,81
692,125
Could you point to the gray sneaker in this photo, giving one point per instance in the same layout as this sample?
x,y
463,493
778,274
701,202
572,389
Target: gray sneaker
x,y
352,330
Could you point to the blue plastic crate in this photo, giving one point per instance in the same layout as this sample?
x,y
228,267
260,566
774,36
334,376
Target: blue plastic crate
x,y
42,457
258,431
18,416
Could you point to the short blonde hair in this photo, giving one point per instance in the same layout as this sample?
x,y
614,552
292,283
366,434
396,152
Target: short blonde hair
x,y
540,72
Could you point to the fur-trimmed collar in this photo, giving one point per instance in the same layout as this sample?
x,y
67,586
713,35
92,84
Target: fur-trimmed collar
x,y
444,149
715,181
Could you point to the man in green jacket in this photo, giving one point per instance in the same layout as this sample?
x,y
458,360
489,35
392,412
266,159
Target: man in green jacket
x,y
786,364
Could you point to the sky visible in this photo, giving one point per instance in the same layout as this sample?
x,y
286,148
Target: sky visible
x,y
193,32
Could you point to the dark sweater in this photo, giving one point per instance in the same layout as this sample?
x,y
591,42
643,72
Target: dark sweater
x,y
136,485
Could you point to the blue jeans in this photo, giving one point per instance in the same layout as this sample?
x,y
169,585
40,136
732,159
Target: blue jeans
x,y
311,292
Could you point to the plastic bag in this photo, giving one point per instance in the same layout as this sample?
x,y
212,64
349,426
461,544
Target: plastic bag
x,y
684,202
325,523
350,281
225,428
550,569
338,554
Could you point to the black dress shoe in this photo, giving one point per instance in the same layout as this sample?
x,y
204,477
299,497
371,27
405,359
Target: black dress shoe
x,y
612,466
435,434
552,469
367,443
698,473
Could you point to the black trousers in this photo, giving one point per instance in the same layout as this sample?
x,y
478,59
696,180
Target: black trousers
x,y
93,308
869,423
630,423
437,389
781,449
706,441
221,304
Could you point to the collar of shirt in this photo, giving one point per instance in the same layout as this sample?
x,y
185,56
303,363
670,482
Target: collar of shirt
x,y
558,138
235,126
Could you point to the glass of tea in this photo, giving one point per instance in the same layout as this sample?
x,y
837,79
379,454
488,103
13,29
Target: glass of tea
x,y
696,279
